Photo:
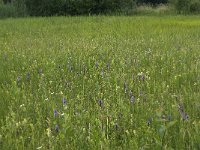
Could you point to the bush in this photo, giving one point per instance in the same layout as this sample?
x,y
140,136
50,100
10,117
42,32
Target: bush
x,y
14,8
186,6
152,2
195,7
20,7
76,7
183,6
44,7
7,10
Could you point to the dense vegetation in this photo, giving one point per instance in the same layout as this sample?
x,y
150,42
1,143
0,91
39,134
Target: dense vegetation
x,y
100,83
86,7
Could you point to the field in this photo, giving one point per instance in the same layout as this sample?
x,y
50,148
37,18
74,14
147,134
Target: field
x,y
100,83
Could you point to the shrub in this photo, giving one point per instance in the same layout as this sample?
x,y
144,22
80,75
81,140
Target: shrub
x,y
7,10
183,6
195,7
12,8
20,7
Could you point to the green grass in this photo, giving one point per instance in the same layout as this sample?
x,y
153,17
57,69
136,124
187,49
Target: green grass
x,y
94,63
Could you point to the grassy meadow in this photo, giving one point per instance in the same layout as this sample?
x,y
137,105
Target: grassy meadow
x,y
100,83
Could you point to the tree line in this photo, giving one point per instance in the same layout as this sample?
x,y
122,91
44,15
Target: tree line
x,y
86,7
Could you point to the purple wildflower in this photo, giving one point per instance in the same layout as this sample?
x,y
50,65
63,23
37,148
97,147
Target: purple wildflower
x,y
64,101
57,128
55,113
116,126
184,115
28,76
149,121
143,77
169,117
100,103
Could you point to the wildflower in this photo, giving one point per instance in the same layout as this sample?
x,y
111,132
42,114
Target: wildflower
x,y
149,121
57,128
40,71
120,115
102,72
133,77
18,79
125,87
130,94
97,64
75,111
64,101
100,103
70,67
132,99
116,126
184,115
141,93
169,117
28,76
55,112
139,76
22,105
143,77
108,66
39,147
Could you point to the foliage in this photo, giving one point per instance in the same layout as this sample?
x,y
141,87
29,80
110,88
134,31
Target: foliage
x,y
7,10
44,7
154,2
71,7
91,7
183,6
195,7
13,8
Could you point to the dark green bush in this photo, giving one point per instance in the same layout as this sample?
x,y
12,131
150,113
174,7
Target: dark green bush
x,y
76,7
7,10
14,8
183,6
195,7
153,2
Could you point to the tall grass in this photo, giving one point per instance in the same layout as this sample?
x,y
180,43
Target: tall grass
x,y
100,83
